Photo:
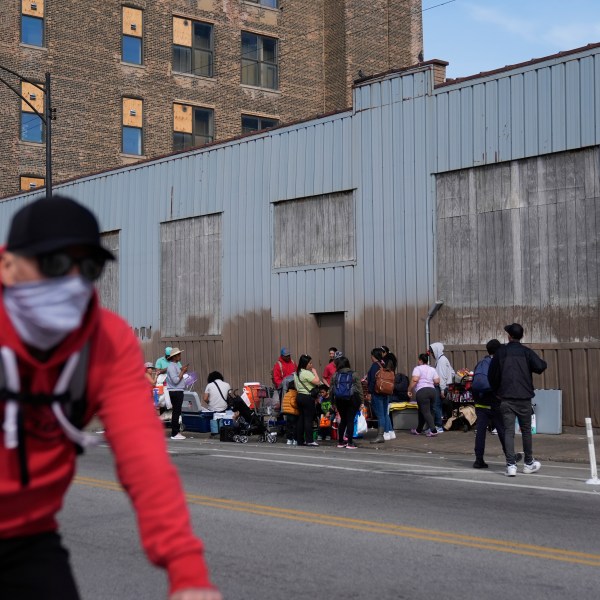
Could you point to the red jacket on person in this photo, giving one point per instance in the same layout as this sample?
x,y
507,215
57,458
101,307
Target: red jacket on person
x,y
119,396
281,369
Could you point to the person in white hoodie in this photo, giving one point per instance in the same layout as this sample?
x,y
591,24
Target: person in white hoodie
x,y
446,373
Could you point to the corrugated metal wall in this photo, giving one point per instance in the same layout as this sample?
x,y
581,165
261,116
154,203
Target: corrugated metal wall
x,y
387,152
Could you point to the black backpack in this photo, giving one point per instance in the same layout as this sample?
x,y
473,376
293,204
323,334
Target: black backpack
x,y
401,383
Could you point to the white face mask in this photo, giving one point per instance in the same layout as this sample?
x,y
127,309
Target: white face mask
x,y
45,312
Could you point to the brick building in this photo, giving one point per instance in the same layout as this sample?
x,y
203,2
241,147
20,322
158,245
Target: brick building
x,y
133,79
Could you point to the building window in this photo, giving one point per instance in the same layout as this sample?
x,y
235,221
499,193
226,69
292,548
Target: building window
x,y
269,3
192,126
192,47
132,142
131,39
259,60
32,22
251,123
28,182
32,126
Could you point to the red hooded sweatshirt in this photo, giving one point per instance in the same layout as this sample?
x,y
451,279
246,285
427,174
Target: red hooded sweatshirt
x,y
117,391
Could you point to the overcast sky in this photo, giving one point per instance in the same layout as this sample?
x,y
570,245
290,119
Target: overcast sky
x,y
481,35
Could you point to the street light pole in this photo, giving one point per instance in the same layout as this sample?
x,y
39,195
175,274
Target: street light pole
x,y
46,118
48,111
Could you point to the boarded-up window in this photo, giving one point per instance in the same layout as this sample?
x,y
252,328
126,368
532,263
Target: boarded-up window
x,y
190,290
108,284
314,231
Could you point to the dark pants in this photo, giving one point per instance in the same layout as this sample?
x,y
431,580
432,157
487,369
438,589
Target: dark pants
x,y
35,567
425,401
488,416
177,402
513,409
347,407
290,426
304,426
437,407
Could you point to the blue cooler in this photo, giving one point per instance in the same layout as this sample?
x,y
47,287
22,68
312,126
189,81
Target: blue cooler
x,y
199,422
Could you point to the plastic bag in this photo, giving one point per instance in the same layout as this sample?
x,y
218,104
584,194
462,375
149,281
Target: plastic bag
x,y
165,400
360,424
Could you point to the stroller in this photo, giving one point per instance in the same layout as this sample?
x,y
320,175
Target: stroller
x,y
460,402
249,422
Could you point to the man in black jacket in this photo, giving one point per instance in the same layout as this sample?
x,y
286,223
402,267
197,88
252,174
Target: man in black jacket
x,y
510,377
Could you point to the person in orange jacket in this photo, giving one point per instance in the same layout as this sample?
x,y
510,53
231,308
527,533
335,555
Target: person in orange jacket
x,y
57,347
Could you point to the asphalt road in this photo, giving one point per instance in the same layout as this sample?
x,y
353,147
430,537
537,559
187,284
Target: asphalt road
x,y
283,522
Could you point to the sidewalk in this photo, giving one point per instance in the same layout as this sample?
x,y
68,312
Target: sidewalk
x,y
571,446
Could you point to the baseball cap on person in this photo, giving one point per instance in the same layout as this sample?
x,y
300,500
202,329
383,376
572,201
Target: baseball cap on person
x,y
175,352
51,224
514,330
285,352
338,354
149,365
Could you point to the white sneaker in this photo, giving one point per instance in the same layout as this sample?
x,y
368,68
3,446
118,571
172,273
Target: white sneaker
x,y
439,429
178,437
290,442
294,442
386,437
392,434
532,467
511,470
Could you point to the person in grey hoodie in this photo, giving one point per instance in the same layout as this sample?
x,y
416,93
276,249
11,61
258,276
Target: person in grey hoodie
x,y
446,373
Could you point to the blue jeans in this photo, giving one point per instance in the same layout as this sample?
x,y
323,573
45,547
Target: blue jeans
x,y
381,408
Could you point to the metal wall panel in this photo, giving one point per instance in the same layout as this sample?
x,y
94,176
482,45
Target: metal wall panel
x,y
536,109
401,133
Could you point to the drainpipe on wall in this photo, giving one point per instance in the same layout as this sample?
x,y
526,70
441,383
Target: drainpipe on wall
x,y
434,308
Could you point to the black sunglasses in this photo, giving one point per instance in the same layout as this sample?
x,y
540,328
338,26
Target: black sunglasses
x,y
58,264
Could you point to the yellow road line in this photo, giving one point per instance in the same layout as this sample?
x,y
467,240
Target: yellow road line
x,y
392,529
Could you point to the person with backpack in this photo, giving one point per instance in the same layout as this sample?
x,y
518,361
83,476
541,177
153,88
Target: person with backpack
x,y
380,384
58,354
487,406
347,395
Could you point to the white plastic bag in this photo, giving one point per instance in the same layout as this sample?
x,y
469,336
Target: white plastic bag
x,y
164,401
361,424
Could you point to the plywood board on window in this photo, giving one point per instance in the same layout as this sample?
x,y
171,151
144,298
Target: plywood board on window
x,y
207,5
328,226
108,284
182,32
191,275
132,112
28,90
26,182
182,118
132,16
27,8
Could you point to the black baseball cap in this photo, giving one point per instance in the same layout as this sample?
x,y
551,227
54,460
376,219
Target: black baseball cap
x,y
515,331
51,224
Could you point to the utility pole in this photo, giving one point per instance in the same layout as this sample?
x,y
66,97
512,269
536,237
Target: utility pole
x,y
47,117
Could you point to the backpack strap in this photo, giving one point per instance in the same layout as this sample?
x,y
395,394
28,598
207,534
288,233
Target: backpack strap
x,y
69,392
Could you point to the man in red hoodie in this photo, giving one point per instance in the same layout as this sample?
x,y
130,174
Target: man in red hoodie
x,y
50,325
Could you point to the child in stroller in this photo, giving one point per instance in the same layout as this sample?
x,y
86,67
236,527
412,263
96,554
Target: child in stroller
x,y
249,422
